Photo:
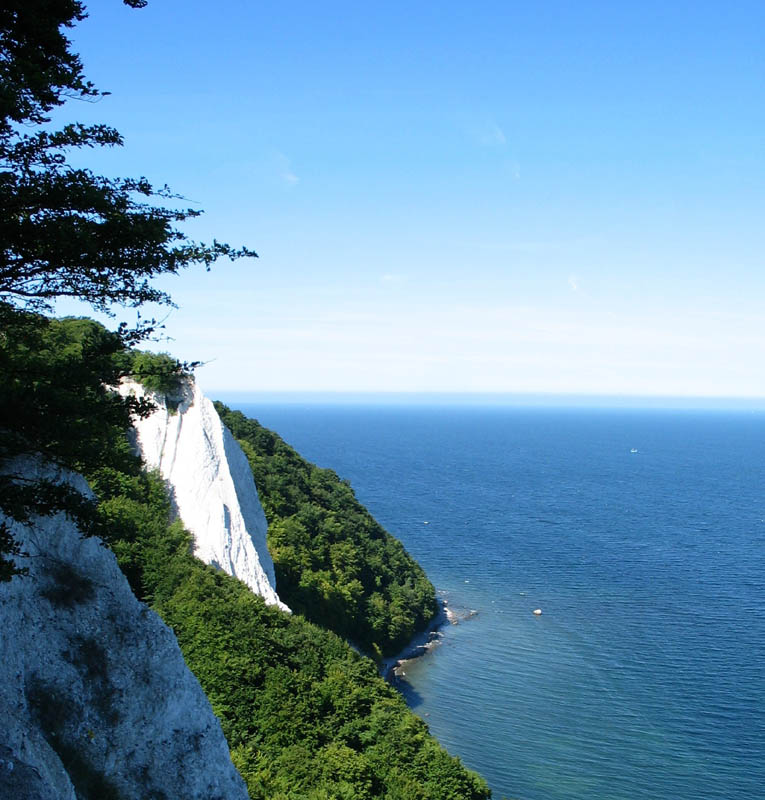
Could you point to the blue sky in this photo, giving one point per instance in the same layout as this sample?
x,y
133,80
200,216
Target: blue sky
x,y
487,197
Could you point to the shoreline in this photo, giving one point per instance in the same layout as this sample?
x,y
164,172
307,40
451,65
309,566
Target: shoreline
x,y
421,643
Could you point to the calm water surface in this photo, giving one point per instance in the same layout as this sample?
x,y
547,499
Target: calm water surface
x,y
645,675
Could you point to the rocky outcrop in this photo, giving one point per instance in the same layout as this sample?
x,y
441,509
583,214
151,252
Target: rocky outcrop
x,y
211,484
95,698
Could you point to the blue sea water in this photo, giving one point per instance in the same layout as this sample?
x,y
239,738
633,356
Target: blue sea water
x,y
644,677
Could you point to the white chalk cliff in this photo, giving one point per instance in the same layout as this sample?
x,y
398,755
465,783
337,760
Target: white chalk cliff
x,y
95,697
211,484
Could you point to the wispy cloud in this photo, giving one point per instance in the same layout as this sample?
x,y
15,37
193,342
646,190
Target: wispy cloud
x,y
286,173
392,277
575,285
484,130
491,135
514,168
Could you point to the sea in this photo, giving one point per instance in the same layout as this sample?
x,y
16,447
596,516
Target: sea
x,y
638,533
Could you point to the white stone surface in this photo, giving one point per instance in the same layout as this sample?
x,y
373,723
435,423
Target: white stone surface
x,y
93,685
211,483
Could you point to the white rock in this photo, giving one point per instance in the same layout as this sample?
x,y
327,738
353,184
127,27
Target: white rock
x,y
212,485
93,686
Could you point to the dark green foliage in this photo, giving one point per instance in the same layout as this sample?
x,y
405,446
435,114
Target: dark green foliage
x,y
36,66
56,370
306,717
55,404
9,548
158,372
67,232
334,563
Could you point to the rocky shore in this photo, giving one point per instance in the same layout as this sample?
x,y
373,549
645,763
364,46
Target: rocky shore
x,y
393,668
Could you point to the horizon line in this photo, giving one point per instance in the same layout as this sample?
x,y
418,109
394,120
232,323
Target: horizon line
x,y
543,399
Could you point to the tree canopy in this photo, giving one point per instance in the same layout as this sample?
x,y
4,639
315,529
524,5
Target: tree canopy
x,y
65,231
55,405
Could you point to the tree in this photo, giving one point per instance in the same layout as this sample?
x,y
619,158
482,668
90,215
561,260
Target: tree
x,y
66,232
158,372
56,409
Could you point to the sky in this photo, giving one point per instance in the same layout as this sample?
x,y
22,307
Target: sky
x,y
508,196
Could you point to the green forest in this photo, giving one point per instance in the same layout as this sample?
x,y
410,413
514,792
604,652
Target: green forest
x,y
304,714
334,563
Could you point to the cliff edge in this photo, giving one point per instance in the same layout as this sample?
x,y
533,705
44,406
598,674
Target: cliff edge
x,y
211,484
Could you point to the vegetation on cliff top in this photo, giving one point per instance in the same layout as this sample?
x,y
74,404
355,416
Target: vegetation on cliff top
x,y
55,403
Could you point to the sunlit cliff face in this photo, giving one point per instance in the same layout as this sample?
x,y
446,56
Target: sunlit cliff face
x,y
211,485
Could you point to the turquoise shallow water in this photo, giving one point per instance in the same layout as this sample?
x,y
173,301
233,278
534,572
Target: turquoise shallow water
x,y
645,675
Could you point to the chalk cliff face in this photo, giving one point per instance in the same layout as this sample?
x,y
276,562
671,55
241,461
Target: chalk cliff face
x,y
95,697
211,485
